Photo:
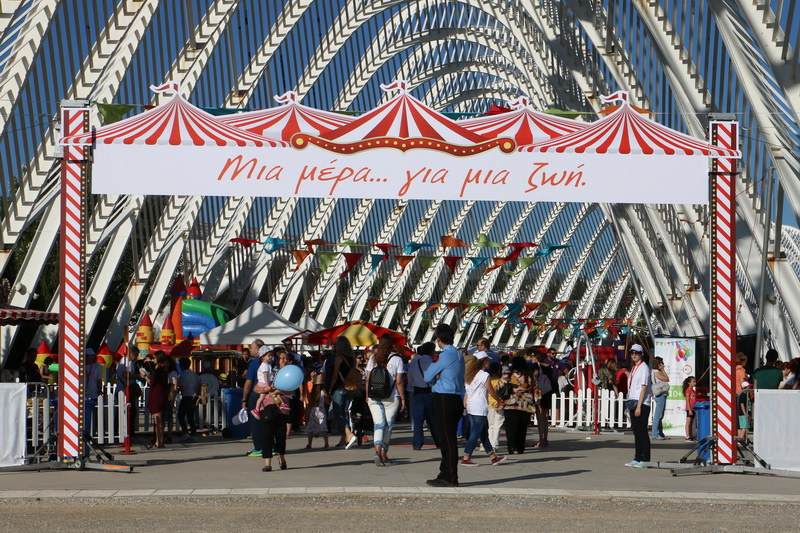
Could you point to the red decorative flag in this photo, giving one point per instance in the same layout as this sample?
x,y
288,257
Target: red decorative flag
x,y
299,256
456,305
451,262
247,243
315,242
530,307
562,305
384,247
452,242
498,110
518,247
494,308
350,260
413,306
403,261
371,304
497,263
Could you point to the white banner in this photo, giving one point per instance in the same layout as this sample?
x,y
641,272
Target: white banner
x,y
13,399
679,363
394,174
776,427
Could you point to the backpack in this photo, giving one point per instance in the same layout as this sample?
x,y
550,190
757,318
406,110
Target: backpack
x,y
380,383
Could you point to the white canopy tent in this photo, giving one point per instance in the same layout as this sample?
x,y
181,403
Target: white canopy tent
x,y
259,321
307,323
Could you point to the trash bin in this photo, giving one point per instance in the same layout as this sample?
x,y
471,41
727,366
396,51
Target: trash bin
x,y
702,412
233,404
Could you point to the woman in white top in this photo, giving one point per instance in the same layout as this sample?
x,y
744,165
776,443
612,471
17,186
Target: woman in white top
x,y
659,375
384,410
479,388
638,403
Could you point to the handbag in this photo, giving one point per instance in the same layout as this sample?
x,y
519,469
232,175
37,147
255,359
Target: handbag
x,y
543,382
659,388
506,390
352,381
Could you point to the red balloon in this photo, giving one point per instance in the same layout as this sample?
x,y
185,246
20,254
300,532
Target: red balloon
x,y
681,352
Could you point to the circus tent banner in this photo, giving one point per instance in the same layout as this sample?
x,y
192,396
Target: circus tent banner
x,y
400,150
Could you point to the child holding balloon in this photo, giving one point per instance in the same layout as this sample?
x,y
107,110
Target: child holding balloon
x,y
265,375
275,421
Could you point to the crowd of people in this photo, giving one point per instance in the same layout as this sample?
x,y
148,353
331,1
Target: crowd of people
x,y
473,395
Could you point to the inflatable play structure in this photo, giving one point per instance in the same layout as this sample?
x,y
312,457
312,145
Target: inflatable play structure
x,y
187,319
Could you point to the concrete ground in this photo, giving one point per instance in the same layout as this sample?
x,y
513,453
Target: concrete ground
x,y
575,465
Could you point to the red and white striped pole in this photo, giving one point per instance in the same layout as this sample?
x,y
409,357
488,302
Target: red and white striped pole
x,y
71,327
723,293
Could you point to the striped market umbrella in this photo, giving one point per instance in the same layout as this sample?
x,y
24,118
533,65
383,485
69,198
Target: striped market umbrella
x,y
358,332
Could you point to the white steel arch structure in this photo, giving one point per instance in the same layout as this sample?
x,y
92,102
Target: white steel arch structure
x,y
682,60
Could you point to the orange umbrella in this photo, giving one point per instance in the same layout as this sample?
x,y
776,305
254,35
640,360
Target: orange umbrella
x,y
358,332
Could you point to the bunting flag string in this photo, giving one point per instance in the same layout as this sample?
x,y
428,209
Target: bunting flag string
x,y
274,244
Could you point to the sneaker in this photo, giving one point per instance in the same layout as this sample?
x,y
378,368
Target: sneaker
x,y
498,459
468,462
254,453
378,460
632,463
256,414
438,482
640,464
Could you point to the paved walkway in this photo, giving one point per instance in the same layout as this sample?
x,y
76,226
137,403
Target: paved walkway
x,y
575,466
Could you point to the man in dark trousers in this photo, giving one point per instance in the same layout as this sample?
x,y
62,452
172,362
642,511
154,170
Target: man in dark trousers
x,y
446,377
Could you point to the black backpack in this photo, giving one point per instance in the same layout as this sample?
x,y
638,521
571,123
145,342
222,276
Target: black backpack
x,y
380,383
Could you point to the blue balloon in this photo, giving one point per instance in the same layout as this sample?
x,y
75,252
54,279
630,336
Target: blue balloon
x,y
288,378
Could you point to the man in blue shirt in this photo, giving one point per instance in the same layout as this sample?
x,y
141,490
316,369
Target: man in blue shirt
x,y
446,377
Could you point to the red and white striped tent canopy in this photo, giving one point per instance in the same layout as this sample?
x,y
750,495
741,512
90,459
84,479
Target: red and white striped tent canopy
x,y
404,117
284,121
627,132
176,123
523,124
15,316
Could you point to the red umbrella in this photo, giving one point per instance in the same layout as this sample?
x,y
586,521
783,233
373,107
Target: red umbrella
x,y
358,332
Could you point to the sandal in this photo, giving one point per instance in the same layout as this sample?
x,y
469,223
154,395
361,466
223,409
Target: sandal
x,y
150,446
283,465
267,469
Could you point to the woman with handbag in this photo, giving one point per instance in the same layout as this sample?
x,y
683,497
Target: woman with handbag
x,y
543,374
660,390
345,381
520,404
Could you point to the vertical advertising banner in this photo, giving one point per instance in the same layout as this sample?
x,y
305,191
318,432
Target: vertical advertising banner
x,y
678,356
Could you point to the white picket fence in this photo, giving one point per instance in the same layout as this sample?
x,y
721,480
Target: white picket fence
x,y
576,410
108,424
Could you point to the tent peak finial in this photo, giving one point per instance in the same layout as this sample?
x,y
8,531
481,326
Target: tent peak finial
x,y
397,85
520,102
619,96
170,87
289,97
